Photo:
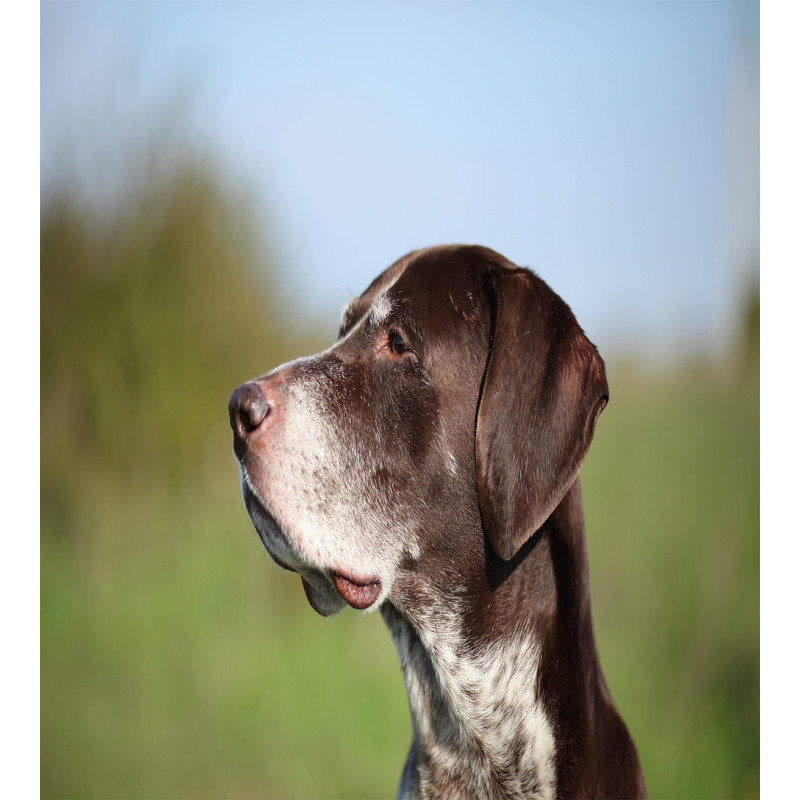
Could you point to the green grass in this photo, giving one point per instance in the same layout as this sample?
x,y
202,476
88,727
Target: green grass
x,y
177,662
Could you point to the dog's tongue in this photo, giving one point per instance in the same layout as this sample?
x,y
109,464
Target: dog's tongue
x,y
358,595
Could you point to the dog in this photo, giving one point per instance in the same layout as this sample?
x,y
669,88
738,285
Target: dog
x,y
426,465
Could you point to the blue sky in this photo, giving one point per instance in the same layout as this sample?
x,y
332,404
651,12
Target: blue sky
x,y
610,146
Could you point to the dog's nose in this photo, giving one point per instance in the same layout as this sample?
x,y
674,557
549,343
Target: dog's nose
x,y
248,408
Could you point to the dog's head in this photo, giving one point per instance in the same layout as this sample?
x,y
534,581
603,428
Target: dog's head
x,y
461,396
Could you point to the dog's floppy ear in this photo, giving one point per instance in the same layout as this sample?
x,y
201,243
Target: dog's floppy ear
x,y
543,389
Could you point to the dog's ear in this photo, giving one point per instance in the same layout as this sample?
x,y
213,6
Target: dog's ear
x,y
543,389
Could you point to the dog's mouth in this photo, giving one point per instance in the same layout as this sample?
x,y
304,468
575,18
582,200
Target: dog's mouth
x,y
358,595
316,585
321,591
319,584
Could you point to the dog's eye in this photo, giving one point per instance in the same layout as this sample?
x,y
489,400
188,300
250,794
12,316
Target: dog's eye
x,y
397,344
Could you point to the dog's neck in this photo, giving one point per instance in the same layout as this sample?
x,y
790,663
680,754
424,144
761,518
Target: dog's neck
x,y
483,699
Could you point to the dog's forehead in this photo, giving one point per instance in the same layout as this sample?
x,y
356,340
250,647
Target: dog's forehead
x,y
374,295
426,283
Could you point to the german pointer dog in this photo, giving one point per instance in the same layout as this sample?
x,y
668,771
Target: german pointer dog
x,y
426,465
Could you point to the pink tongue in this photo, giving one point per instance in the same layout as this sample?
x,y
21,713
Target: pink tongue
x,y
358,595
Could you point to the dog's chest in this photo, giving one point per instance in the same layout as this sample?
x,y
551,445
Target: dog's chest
x,y
479,727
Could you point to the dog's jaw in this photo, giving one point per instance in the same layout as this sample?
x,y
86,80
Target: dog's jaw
x,y
327,591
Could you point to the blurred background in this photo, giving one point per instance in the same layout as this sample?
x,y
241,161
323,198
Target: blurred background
x,y
217,181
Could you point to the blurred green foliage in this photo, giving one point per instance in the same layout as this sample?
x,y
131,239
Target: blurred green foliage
x,y
148,319
176,662
671,497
